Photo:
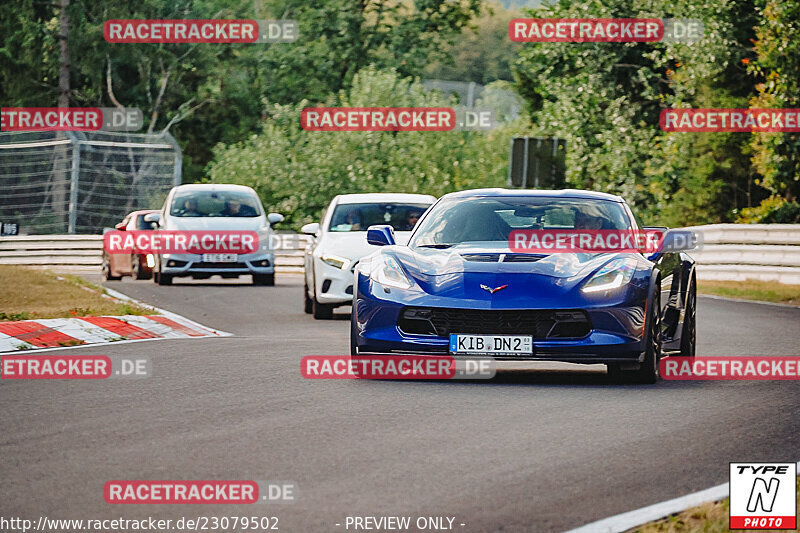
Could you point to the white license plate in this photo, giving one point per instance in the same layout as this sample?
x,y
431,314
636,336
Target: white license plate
x,y
220,258
491,344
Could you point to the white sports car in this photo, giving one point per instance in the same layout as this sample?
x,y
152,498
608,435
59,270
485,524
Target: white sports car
x,y
339,243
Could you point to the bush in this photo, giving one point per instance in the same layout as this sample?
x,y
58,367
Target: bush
x,y
773,210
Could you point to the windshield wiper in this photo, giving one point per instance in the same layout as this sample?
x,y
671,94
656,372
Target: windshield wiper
x,y
440,246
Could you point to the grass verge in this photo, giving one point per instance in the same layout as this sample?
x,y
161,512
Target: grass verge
x,y
708,518
29,294
765,291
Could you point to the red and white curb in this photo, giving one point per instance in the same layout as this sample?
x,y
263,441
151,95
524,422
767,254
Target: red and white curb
x,y
54,333
631,519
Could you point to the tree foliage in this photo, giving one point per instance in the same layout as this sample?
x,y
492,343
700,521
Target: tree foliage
x,y
208,93
298,172
483,53
777,48
605,99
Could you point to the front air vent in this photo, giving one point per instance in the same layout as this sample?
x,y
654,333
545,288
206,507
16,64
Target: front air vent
x,y
481,258
522,258
504,258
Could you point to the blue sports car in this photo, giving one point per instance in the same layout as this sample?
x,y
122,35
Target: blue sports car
x,y
459,288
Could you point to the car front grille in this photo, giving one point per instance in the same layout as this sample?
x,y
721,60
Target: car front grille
x,y
541,324
215,265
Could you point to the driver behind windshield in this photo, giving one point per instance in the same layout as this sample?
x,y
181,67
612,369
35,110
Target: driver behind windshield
x,y
235,208
410,221
584,220
190,208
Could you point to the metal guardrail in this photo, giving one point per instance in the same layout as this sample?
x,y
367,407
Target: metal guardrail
x,y
735,252
84,252
768,252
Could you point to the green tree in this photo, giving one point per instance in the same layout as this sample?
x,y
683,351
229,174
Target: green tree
x,y
298,172
777,66
483,53
605,99
341,37
209,93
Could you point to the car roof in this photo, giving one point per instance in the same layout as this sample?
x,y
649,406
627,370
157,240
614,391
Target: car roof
x,y
384,197
212,187
540,193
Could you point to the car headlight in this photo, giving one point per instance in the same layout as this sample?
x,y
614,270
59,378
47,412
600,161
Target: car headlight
x,y
334,261
387,271
612,276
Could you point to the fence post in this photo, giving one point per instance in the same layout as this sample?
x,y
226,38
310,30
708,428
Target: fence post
x,y
73,183
177,171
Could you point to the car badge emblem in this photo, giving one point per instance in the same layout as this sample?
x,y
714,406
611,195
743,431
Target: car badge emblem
x,y
491,290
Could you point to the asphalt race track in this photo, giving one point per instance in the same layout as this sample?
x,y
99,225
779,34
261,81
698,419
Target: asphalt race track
x,y
532,450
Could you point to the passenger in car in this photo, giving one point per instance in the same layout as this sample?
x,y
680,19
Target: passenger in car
x,y
234,208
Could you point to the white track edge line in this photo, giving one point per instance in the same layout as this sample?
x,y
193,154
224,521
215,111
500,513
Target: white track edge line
x,y
124,297
742,300
637,517
100,344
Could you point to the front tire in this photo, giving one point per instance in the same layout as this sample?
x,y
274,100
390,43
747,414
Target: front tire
x,y
689,330
267,280
107,270
353,334
308,303
137,271
161,278
648,371
322,311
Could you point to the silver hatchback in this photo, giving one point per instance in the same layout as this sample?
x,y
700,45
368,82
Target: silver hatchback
x,y
216,207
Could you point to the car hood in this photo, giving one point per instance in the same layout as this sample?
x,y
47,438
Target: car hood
x,y
462,271
477,258
353,245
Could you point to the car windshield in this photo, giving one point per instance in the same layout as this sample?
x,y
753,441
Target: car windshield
x,y
215,204
358,217
462,220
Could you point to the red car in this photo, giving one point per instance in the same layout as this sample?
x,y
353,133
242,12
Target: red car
x,y
138,266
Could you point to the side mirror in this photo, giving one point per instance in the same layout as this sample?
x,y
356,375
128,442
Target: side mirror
x,y
676,240
310,229
380,235
274,218
120,226
153,218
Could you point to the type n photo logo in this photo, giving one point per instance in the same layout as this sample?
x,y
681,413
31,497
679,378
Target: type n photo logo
x,y
763,496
